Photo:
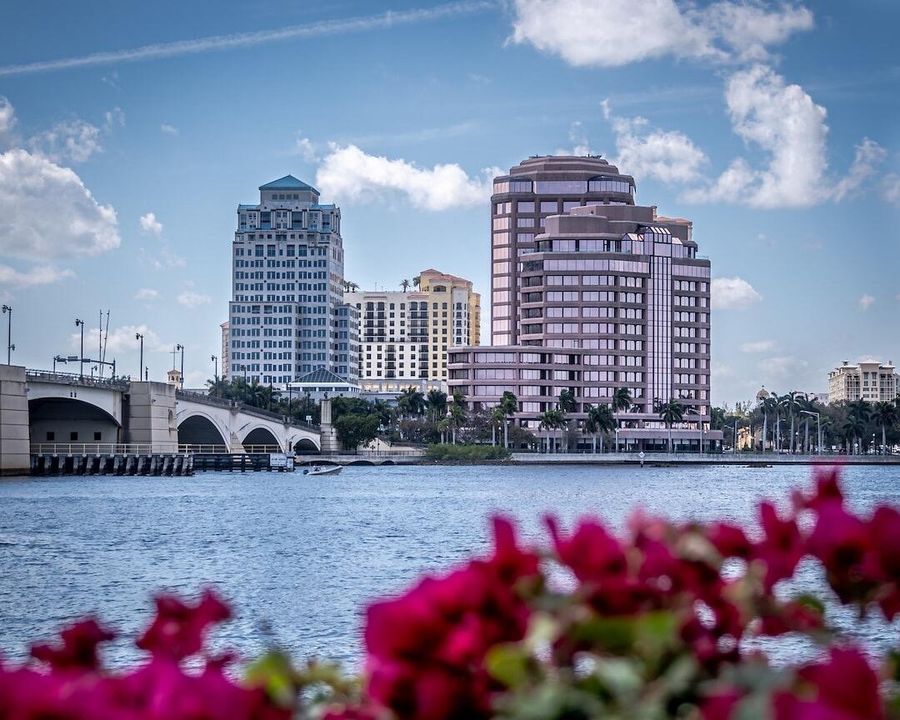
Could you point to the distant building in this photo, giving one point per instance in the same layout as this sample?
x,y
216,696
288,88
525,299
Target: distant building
x,y
590,293
225,356
322,384
404,336
287,316
868,380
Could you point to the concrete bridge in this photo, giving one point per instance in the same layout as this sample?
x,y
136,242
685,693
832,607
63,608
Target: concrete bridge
x,y
44,412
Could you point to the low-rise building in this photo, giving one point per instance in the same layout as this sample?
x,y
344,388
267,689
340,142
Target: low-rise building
x,y
869,380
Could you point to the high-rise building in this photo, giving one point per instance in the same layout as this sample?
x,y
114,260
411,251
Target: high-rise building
x,y
287,316
591,293
869,380
404,336
225,357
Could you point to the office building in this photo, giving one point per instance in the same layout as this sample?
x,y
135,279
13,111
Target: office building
x,y
869,380
590,293
287,316
404,336
225,355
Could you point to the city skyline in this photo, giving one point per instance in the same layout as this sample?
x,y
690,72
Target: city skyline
x,y
771,130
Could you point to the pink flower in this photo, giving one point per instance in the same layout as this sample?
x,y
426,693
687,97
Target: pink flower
x,y
79,647
781,548
179,629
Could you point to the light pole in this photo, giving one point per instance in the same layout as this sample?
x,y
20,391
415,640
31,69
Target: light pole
x,y
81,356
179,346
733,429
215,361
9,346
818,428
139,336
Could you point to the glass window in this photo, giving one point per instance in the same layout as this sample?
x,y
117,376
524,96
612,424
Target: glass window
x,y
561,187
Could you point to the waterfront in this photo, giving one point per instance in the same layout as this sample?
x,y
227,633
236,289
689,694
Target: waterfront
x,y
306,553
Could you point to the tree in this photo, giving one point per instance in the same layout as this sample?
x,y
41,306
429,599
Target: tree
x,y
411,402
457,416
769,407
509,405
417,280
621,402
553,419
437,404
670,412
404,283
600,419
791,406
354,430
497,417
884,413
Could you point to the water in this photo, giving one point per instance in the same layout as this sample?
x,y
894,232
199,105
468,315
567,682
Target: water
x,y
305,554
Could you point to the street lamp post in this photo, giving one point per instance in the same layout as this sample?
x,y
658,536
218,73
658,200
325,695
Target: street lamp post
x,y
179,346
733,429
80,323
9,346
215,361
140,336
818,428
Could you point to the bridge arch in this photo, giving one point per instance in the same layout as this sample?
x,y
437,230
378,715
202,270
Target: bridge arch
x,y
200,429
259,436
71,420
305,446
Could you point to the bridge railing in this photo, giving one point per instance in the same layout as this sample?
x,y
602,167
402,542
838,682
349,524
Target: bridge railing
x,y
200,449
76,379
100,448
205,399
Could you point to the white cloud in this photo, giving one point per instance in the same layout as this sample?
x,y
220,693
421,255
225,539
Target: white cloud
x,y
46,212
890,188
168,129
121,339
146,294
348,173
150,224
38,275
869,155
306,149
7,117
865,302
733,294
666,155
577,136
758,346
611,33
114,118
67,141
192,299
782,366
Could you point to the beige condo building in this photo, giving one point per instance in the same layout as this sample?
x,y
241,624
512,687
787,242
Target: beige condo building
x,y
868,380
404,336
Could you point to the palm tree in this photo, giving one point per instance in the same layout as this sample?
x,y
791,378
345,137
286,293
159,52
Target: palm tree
x,y
806,406
769,407
411,402
437,403
670,412
600,419
621,402
884,413
853,429
417,280
509,404
497,417
553,419
457,416
791,406
404,283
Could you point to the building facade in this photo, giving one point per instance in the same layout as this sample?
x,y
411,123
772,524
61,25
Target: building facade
x,y
591,293
869,380
225,355
404,336
287,316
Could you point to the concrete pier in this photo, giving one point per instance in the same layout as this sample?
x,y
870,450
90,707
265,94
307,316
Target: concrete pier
x,y
15,452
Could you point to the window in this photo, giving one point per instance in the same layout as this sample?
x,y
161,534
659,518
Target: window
x,y
73,436
97,436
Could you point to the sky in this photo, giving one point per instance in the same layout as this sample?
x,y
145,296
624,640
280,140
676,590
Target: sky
x,y
129,132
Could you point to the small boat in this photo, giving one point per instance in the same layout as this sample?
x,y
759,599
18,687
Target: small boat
x,y
322,470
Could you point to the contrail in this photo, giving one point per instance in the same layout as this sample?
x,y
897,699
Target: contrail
x,y
225,42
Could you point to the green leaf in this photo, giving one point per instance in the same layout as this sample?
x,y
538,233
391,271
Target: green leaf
x,y
275,674
508,664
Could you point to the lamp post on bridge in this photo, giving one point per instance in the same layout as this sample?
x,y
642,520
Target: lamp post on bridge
x,y
179,346
215,361
140,336
9,345
80,323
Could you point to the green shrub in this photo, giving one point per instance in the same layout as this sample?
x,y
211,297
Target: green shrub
x,y
466,453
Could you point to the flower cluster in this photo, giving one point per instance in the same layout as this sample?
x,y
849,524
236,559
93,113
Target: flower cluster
x,y
660,622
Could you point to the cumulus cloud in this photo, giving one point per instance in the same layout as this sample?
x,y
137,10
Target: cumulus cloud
x,y
865,302
789,128
733,294
7,118
758,346
121,339
192,299
67,141
666,155
38,275
611,33
168,129
46,212
305,148
149,224
891,189
782,366
348,173
146,294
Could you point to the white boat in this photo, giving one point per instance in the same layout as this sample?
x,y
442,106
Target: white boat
x,y
322,470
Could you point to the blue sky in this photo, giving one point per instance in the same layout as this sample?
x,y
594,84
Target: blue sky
x,y
773,126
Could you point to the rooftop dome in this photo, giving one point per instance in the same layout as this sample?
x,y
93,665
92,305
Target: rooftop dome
x,y
762,394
